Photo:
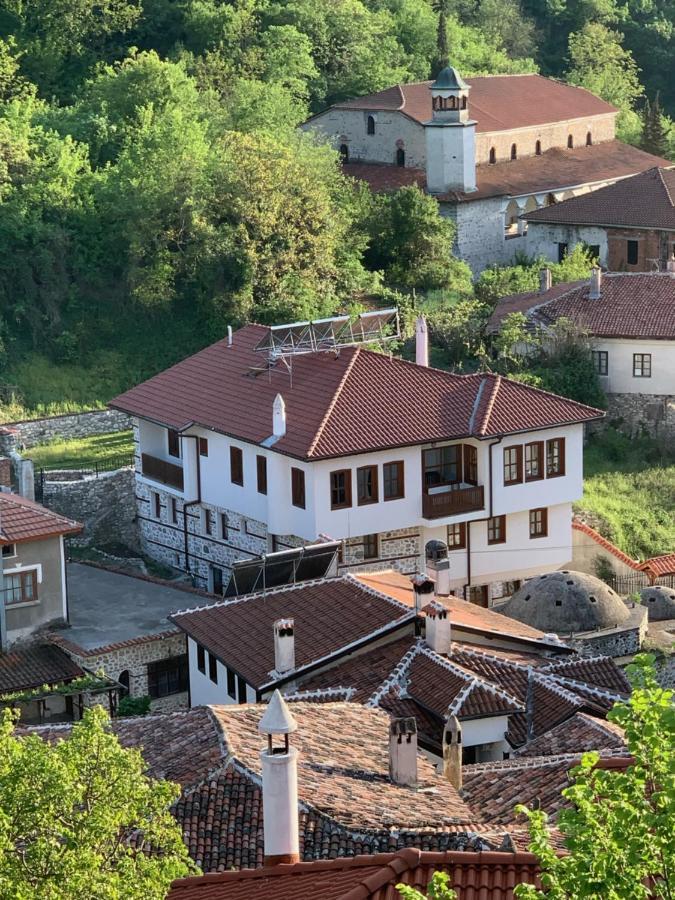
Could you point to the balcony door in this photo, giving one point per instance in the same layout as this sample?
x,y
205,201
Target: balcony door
x,y
442,466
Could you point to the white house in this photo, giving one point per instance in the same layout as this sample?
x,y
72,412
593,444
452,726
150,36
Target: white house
x,y
631,319
490,149
403,463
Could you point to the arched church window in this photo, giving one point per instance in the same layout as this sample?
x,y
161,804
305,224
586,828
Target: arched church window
x,y
589,139
570,142
537,148
514,151
400,157
493,156
371,125
344,152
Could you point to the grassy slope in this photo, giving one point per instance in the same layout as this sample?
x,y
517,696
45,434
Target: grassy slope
x,y
629,494
82,453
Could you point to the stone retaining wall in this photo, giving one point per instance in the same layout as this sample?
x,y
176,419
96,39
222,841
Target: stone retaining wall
x,y
32,432
637,413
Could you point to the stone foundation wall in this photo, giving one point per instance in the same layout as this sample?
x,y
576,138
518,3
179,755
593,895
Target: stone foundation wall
x,y
397,550
621,643
637,413
105,506
32,432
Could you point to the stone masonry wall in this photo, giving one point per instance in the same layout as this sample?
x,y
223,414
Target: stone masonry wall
x,y
105,506
396,550
635,413
32,432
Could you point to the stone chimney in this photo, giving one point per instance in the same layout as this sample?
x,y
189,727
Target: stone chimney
x,y
422,587
421,342
279,784
595,287
284,646
545,280
279,417
438,633
452,751
403,751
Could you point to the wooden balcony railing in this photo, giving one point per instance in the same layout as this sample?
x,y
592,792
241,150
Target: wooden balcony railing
x,y
162,471
452,502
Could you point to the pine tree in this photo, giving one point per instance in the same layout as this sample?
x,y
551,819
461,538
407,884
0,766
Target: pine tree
x,y
442,52
654,134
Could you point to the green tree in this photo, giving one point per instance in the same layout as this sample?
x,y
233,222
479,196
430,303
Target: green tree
x,y
501,281
77,817
511,340
619,830
654,130
565,365
438,889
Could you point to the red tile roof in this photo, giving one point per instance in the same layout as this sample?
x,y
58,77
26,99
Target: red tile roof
x,y
31,666
578,734
631,306
659,565
25,520
484,875
554,170
496,102
578,525
354,402
329,615
646,200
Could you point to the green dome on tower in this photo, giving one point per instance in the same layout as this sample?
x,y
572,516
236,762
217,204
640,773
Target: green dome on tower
x,y
449,79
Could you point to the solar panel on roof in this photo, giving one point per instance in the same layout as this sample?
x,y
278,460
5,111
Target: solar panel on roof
x,y
285,567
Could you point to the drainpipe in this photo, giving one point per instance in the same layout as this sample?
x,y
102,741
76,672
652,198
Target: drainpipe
x,y
190,503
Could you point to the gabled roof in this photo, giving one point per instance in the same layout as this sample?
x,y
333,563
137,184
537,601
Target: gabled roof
x,y
658,566
646,200
578,734
34,665
631,306
25,520
496,102
486,875
336,405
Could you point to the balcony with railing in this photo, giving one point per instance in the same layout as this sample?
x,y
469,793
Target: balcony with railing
x,y
162,471
452,500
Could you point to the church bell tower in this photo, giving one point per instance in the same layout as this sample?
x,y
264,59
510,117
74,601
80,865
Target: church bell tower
x,y
450,136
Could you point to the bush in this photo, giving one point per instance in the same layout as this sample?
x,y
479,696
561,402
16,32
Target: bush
x,y
134,706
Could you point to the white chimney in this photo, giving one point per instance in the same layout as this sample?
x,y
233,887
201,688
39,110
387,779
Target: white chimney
x,y
403,751
670,265
545,280
279,417
422,586
229,335
595,289
279,785
421,342
438,628
284,646
452,752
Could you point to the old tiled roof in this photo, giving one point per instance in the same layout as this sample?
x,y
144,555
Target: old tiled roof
x,y
600,672
577,734
33,665
659,565
525,301
584,528
631,305
484,875
496,102
25,520
646,200
340,404
329,615
555,170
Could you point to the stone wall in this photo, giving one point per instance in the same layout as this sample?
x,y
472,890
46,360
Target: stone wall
x,y
105,506
396,550
32,432
552,135
637,413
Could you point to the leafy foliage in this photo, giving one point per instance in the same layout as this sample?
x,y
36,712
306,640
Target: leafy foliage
x,y
619,830
438,889
77,816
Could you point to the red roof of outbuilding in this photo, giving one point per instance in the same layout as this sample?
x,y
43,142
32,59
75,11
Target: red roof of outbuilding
x,y
352,402
25,520
660,565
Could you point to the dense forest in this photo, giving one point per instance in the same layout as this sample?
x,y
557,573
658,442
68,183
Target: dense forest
x,y
154,187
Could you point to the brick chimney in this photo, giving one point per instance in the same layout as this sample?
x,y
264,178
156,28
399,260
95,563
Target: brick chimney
x,y
595,286
545,280
284,646
279,784
279,417
421,342
438,628
452,751
403,751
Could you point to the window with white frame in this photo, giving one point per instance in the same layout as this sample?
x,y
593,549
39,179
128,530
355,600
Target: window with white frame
x,y
20,587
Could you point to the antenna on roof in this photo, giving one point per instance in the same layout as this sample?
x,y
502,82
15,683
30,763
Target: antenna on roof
x,y
282,342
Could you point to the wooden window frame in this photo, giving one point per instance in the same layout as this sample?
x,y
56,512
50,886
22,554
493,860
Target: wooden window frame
x,y
561,457
458,461
213,668
236,465
298,496
600,361
470,465
400,474
368,540
347,488
261,474
173,443
203,446
518,463
461,541
201,659
642,357
159,671
231,684
540,455
25,576
498,535
542,511
366,501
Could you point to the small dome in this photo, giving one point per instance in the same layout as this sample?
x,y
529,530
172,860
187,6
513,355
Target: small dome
x,y
660,602
564,602
449,79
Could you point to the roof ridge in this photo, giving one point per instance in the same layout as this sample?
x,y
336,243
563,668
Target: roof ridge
x,y
476,679
583,685
573,661
580,525
395,677
599,724
476,404
331,405
350,576
552,684
665,186
491,403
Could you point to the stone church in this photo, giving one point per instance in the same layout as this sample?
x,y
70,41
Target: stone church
x,y
489,148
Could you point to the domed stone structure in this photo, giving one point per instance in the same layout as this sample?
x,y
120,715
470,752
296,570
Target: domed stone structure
x,y
566,602
660,602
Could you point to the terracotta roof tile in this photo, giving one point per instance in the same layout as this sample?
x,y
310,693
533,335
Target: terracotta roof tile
x,y
659,565
601,672
578,734
25,520
402,403
33,665
646,200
